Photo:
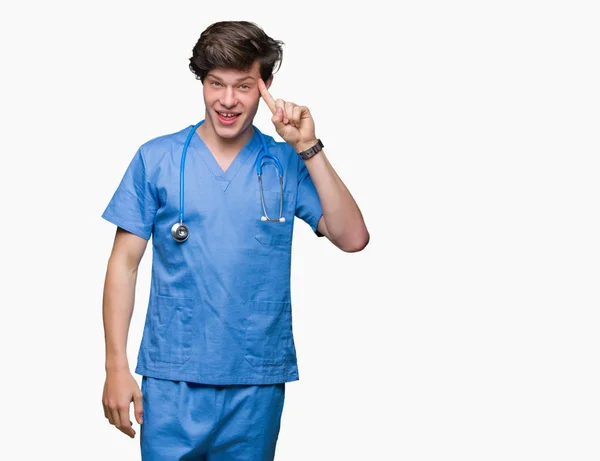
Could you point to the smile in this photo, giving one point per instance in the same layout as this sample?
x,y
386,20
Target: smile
x,y
227,118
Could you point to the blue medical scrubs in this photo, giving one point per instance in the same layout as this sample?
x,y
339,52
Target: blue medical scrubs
x,y
190,421
219,310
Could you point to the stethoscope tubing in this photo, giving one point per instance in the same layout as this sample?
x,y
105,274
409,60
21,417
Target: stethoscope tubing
x,y
182,168
180,231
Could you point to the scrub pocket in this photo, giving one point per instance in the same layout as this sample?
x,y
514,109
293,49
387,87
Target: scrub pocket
x,y
170,329
275,233
268,333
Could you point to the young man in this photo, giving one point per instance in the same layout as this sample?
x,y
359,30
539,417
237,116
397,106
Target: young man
x,y
219,199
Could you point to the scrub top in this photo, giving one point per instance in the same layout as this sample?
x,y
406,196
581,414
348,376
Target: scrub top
x,y
219,310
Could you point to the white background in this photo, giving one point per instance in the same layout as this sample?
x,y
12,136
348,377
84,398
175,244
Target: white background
x,y
467,132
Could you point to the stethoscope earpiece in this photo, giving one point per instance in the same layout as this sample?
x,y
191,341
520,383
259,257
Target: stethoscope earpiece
x,y
180,231
264,218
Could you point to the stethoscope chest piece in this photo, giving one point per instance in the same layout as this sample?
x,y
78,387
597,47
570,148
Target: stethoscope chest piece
x,y
180,232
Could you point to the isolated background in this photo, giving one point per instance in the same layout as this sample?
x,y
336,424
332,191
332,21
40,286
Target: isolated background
x,y
468,133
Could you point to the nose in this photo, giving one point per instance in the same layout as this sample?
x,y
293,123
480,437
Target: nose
x,y
228,98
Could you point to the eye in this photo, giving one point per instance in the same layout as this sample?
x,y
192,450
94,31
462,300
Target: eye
x,y
215,83
245,86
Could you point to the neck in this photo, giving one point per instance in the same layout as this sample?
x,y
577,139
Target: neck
x,y
227,147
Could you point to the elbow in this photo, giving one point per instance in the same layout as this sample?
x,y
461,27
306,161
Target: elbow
x,y
357,243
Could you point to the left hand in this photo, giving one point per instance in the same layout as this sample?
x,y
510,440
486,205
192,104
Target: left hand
x,y
292,122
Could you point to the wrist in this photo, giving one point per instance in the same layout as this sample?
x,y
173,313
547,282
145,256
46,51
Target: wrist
x,y
116,364
309,152
115,371
303,145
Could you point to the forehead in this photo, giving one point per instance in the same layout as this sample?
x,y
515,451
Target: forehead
x,y
236,74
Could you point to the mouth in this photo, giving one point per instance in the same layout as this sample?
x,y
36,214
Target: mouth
x,y
227,118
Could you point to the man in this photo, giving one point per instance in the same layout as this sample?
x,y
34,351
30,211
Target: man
x,y
219,199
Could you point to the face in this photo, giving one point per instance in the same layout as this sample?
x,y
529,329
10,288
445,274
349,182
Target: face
x,y
231,98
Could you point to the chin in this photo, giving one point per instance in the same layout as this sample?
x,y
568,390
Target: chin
x,y
234,131
230,132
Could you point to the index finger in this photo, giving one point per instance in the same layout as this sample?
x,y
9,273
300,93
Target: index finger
x,y
266,95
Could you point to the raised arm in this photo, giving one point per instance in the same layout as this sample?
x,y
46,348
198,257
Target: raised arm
x,y
342,221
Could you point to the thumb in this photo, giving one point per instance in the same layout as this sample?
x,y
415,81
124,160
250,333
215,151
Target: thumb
x,y
138,407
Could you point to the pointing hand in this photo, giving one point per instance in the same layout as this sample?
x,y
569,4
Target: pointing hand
x,y
292,122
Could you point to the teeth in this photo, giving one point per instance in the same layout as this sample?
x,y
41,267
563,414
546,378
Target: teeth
x,y
228,115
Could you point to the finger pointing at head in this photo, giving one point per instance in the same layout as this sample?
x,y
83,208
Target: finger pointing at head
x,y
266,95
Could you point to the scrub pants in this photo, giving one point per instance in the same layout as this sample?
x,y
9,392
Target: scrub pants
x,y
197,422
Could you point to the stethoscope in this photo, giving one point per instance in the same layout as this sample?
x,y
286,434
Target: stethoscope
x,y
180,232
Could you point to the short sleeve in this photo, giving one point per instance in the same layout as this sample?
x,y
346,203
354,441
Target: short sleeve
x,y
133,205
308,205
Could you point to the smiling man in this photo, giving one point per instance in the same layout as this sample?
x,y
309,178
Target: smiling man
x,y
219,200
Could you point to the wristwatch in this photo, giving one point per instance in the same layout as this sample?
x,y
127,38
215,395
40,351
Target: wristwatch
x,y
312,151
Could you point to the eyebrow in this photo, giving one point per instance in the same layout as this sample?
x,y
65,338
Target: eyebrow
x,y
237,81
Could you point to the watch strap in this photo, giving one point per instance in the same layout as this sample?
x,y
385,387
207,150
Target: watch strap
x,y
312,151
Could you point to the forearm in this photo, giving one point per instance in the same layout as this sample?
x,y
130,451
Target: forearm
x,y
344,221
117,309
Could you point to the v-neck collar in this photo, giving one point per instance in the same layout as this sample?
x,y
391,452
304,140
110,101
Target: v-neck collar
x,y
224,178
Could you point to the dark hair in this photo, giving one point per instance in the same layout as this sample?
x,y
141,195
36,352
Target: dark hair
x,y
235,45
